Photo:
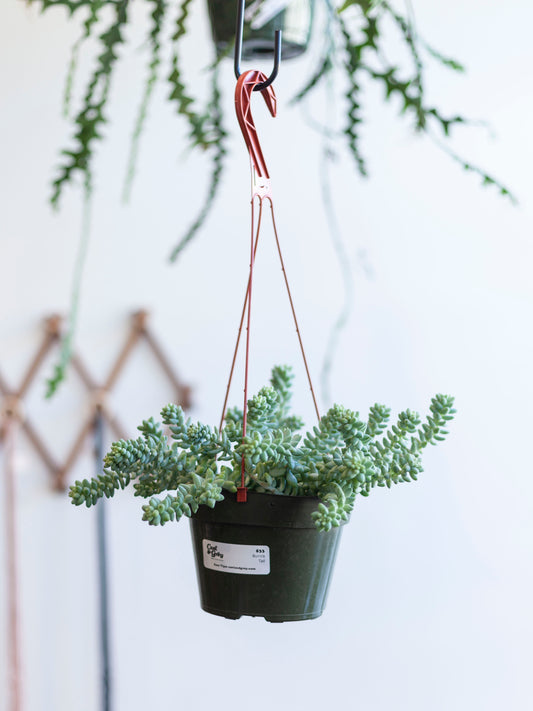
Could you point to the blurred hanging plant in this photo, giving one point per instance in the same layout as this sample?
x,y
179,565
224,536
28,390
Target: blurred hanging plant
x,y
355,41
355,45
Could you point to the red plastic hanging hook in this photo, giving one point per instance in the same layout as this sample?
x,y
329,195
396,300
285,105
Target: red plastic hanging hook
x,y
243,94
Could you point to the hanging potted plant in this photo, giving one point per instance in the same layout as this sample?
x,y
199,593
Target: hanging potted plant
x,y
272,555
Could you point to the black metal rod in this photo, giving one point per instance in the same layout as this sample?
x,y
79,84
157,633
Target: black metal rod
x,y
238,39
101,532
238,49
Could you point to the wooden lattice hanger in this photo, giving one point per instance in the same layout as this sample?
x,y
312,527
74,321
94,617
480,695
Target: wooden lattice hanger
x,y
14,398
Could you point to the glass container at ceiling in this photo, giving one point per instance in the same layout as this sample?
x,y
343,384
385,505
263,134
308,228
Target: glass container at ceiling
x,y
262,18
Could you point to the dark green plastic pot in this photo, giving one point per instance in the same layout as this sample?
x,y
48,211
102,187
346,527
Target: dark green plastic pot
x,y
263,558
295,21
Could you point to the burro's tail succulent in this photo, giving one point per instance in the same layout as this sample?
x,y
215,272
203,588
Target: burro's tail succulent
x,y
341,457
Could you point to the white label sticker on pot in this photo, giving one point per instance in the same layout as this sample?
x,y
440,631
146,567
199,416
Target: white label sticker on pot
x,y
235,558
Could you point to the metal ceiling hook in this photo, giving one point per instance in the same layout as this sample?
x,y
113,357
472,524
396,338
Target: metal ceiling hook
x,y
238,49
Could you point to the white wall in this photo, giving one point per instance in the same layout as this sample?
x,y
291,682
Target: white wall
x,y
431,603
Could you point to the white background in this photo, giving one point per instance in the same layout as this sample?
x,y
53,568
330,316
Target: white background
x,y
430,607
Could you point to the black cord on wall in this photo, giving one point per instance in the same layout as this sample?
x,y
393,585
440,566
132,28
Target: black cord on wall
x,y
103,587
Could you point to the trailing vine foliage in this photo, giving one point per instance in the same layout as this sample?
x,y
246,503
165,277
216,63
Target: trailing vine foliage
x,y
357,46
218,145
206,130
91,20
157,15
340,458
66,345
198,122
90,119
